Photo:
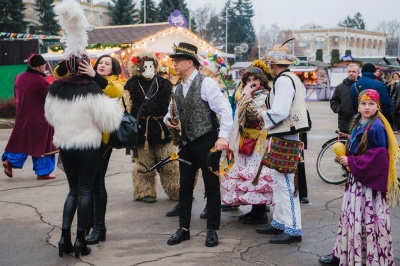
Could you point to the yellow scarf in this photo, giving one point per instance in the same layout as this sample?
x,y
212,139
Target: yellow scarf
x,y
393,191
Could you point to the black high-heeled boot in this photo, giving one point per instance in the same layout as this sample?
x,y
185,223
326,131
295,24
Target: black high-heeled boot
x,y
65,244
80,246
99,230
258,215
249,214
91,221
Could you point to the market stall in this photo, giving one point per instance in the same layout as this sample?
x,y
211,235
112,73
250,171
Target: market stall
x,y
315,81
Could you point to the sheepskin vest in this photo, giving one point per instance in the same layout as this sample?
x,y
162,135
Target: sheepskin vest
x,y
195,114
297,120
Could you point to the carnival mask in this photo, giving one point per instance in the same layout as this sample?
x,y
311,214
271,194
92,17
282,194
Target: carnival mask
x,y
149,70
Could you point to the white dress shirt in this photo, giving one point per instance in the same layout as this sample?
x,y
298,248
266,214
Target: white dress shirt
x,y
211,93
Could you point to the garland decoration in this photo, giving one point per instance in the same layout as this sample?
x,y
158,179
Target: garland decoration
x,y
13,35
99,46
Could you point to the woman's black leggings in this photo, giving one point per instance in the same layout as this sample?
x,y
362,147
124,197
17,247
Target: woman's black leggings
x,y
80,167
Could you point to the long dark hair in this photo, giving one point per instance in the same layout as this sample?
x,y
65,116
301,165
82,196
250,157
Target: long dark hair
x,y
363,145
116,68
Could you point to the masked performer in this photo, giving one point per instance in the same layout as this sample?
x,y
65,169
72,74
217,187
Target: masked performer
x,y
154,138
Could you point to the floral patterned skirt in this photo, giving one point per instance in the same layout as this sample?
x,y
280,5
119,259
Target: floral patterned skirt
x,y
364,235
238,181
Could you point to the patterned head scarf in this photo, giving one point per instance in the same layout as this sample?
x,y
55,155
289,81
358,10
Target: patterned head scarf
x,y
369,94
255,70
73,61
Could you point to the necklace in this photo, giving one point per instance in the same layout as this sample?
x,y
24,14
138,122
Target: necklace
x,y
145,95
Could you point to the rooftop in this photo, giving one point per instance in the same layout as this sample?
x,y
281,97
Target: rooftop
x,y
125,33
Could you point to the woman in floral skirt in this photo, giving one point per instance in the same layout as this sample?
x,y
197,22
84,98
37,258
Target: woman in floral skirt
x,y
364,234
247,183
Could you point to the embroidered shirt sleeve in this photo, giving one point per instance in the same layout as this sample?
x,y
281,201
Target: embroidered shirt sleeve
x,y
280,109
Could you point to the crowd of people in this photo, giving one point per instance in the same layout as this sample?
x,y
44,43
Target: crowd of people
x,y
77,112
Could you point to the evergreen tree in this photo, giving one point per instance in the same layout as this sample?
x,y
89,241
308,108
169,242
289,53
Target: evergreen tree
x,y
212,33
123,12
12,16
166,7
45,9
335,56
240,26
319,55
151,11
356,22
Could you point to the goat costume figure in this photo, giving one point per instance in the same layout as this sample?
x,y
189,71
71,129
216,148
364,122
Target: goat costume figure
x,y
154,140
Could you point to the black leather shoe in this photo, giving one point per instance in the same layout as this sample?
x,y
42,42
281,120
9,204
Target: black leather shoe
x,y
148,199
329,260
304,200
255,220
211,238
179,236
284,238
268,230
174,211
204,213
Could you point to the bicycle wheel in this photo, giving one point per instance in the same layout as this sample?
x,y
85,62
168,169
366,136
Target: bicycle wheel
x,y
328,168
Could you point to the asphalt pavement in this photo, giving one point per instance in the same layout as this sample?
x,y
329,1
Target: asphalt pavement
x,y
137,232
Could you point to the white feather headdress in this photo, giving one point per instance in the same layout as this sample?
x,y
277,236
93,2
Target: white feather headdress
x,y
72,19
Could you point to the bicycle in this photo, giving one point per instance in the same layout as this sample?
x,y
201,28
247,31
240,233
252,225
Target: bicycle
x,y
328,168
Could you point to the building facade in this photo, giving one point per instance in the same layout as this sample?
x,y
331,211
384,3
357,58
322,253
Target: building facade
x,y
360,42
97,14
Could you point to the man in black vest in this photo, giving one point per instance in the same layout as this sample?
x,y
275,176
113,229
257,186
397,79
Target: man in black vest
x,y
198,101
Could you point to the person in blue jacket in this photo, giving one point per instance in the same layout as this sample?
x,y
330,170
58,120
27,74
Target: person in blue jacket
x,y
367,81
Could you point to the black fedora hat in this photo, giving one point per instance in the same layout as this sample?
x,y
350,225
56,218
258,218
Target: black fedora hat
x,y
187,51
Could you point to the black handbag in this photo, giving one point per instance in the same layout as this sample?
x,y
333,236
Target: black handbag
x,y
126,134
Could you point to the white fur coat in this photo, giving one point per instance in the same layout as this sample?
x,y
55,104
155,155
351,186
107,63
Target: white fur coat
x,y
79,115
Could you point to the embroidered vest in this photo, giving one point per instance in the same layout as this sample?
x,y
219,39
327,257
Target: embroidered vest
x,y
297,120
195,114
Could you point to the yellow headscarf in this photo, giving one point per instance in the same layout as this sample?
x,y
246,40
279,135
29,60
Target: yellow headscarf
x,y
393,191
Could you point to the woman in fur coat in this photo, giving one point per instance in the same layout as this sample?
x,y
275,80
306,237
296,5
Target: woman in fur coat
x,y
79,111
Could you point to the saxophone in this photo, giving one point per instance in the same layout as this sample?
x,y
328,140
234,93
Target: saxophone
x,y
175,121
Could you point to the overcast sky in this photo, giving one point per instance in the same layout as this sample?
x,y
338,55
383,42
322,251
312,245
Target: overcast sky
x,y
296,13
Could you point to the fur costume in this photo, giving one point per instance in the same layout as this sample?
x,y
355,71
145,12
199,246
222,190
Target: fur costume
x,y
154,141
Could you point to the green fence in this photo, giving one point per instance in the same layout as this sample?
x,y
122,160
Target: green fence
x,y
7,77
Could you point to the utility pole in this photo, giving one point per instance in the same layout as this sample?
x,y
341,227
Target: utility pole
x,y
398,47
190,20
226,31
